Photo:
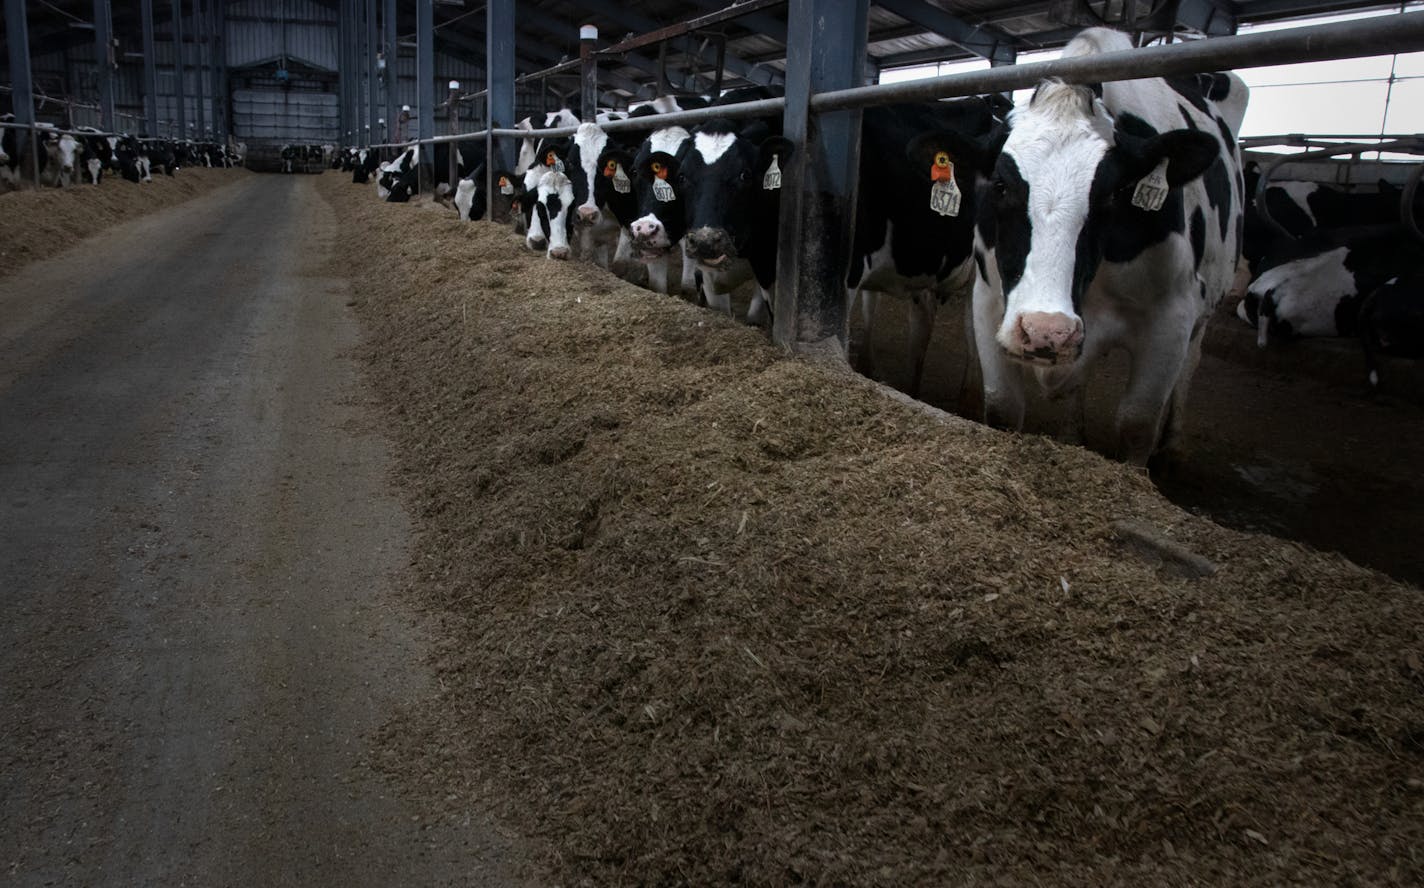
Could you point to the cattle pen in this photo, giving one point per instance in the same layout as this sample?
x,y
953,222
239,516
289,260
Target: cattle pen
x,y
349,541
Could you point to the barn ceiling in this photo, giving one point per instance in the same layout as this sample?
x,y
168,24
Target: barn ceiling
x,y
751,44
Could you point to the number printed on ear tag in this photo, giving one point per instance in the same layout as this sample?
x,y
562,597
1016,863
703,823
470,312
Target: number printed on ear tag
x,y
621,184
1151,192
945,198
772,180
663,191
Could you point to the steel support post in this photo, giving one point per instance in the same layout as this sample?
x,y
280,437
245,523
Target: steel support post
x,y
343,85
499,94
389,23
22,91
104,62
588,100
425,85
200,101
150,71
826,52
373,134
217,71
452,108
180,92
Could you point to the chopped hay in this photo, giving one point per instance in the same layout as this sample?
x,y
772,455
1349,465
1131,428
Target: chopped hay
x,y
36,223
716,614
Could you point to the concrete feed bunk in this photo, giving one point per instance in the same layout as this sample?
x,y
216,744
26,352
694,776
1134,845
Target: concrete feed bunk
x,y
718,614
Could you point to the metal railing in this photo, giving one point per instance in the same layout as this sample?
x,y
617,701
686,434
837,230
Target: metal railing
x,y
1384,35
36,128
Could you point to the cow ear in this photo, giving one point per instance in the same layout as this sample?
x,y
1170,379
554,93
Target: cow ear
x,y
663,160
1188,153
774,147
979,153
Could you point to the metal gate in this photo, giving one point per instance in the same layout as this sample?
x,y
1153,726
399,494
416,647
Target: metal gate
x,y
286,115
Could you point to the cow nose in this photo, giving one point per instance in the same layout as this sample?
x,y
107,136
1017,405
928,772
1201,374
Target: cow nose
x,y
646,228
1051,335
538,243
559,253
708,243
588,215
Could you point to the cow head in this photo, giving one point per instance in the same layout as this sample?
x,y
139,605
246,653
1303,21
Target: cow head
x,y
732,181
64,152
583,172
613,185
507,203
1063,171
660,222
552,201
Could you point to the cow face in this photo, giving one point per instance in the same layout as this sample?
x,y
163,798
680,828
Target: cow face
x,y
583,171
1056,184
660,222
549,225
613,185
64,152
733,183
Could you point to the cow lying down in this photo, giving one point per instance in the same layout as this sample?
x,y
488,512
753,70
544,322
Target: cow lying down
x,y
1313,287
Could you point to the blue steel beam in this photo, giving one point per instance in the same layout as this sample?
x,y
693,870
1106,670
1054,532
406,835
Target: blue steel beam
x,y
373,134
389,30
104,61
217,72
985,41
200,111
826,52
499,91
621,13
179,92
425,83
150,70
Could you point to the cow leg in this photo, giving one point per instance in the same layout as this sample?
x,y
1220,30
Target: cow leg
x,y
1003,383
623,253
1066,384
759,312
1157,382
1169,441
719,302
924,305
658,275
867,316
970,400
689,279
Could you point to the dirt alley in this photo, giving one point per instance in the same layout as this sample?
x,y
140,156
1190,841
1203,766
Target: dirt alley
x,y
199,550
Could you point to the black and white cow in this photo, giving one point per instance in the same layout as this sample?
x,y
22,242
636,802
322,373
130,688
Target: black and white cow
x,y
61,153
1314,287
9,153
100,152
659,217
550,223
1391,320
599,233
914,226
1301,208
532,148
731,179
1109,223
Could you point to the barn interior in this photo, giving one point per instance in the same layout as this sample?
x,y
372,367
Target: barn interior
x,y
708,611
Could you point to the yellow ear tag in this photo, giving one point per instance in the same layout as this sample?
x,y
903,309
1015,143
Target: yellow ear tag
x,y
609,169
945,196
661,189
942,170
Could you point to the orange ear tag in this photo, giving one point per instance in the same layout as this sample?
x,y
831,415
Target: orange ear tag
x,y
505,186
942,170
661,189
944,193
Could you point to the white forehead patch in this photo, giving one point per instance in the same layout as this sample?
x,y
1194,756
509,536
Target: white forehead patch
x,y
713,145
668,139
590,141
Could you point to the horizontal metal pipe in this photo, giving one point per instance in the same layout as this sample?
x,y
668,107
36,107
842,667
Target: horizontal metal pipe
x,y
1403,32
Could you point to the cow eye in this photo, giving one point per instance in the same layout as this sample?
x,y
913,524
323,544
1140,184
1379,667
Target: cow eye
x,y
999,186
